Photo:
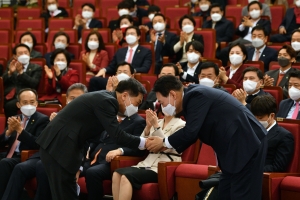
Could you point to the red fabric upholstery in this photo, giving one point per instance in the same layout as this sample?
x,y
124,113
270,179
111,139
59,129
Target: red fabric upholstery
x,y
175,12
72,34
79,65
192,171
209,36
39,35
276,92
257,64
105,33
275,188
7,23
5,36
151,47
276,46
30,24
31,186
163,4
235,11
148,191
277,12
60,23
78,3
41,62
229,87
111,14
150,78
26,12
106,4
48,110
5,51
2,102
232,2
111,49
64,3
6,12
2,122
206,155
291,183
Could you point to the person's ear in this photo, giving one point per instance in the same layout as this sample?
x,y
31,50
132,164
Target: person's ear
x,y
173,94
18,105
124,96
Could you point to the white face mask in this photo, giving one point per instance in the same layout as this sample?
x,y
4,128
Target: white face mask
x,y
216,17
188,28
131,39
265,123
123,12
87,14
124,26
193,57
207,82
235,59
169,110
204,7
52,7
255,14
151,16
131,109
28,110
122,77
257,42
60,45
294,93
296,46
297,3
30,45
93,45
61,65
249,86
159,26
24,59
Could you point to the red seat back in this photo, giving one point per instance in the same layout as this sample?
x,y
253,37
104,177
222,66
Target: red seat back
x,y
209,37
25,12
235,11
80,66
75,49
256,64
277,12
275,46
5,36
39,35
42,48
175,12
111,49
112,14
30,24
5,51
6,12
61,23
7,23
229,87
64,3
276,92
151,47
47,109
274,65
106,4
207,155
78,3
190,155
41,62
150,78
163,4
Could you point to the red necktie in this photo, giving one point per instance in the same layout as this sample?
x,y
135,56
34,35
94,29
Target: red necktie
x,y
129,60
296,111
279,79
52,14
11,94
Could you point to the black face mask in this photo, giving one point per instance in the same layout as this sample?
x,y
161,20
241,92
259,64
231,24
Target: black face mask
x,y
283,62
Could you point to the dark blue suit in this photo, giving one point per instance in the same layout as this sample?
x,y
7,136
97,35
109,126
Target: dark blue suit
x,y
261,22
189,78
267,56
285,107
203,14
93,24
239,140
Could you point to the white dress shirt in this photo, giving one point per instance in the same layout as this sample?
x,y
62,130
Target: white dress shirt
x,y
290,114
249,35
178,46
260,51
271,126
128,52
190,71
232,72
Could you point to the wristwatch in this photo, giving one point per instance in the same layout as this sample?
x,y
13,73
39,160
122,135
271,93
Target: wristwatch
x,y
156,128
164,144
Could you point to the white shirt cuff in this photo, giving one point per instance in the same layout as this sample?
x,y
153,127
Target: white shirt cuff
x,y
142,143
122,150
167,143
184,75
241,27
177,47
81,168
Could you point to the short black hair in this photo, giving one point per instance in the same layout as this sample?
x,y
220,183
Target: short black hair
x,y
159,14
24,90
100,40
132,86
242,47
216,5
58,51
153,8
14,51
294,74
138,31
89,5
77,86
263,105
129,17
31,35
254,2
289,50
125,63
259,28
254,69
131,2
196,45
176,70
165,84
190,17
206,65
61,33
295,31
124,5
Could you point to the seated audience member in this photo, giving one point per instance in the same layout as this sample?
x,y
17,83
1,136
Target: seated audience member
x,y
29,39
61,40
28,3
187,25
189,71
289,108
20,134
162,39
86,20
126,179
253,80
95,56
19,74
295,43
280,141
53,11
118,35
139,57
204,9
279,77
137,12
151,102
224,28
142,3
260,51
59,78
152,10
290,22
233,74
29,169
265,9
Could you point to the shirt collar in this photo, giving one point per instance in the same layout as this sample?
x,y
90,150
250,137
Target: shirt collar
x,y
25,67
256,92
195,66
285,71
161,32
261,49
133,48
274,123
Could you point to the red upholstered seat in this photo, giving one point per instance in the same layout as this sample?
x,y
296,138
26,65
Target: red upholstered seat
x,y
151,47
290,187
276,92
165,3
78,3
25,12
7,23
41,62
111,49
1,104
7,12
47,109
80,66
5,36
111,14
274,65
97,12
235,11
209,37
174,12
229,87
2,122
278,13
150,78
61,23
30,24
257,64
5,51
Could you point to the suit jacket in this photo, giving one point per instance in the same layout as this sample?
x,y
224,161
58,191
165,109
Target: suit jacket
x,y
203,109
224,29
46,15
48,56
284,82
237,77
29,79
189,78
205,14
148,102
288,20
101,60
267,56
84,118
34,127
249,98
35,54
141,61
95,23
262,22
153,159
285,107
280,149
265,8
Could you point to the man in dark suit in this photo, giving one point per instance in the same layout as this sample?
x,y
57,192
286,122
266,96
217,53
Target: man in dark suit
x,y
53,11
139,57
295,43
288,108
219,120
69,130
260,51
20,74
204,9
20,134
280,141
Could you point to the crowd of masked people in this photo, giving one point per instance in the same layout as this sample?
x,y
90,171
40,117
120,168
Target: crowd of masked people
x,y
246,42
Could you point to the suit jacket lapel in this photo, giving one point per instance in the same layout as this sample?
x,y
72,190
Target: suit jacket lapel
x,y
29,69
136,53
276,73
272,132
123,52
288,107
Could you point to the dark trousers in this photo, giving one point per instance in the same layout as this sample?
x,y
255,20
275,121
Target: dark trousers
x,y
43,188
246,184
281,38
97,83
10,107
62,182
21,172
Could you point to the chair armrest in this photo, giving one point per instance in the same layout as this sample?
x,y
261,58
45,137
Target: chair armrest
x,y
124,161
213,169
25,154
165,60
223,45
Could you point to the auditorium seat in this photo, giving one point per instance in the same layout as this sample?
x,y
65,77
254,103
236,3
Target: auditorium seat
x,y
5,51
229,87
7,23
30,24
5,36
209,37
256,64
274,65
26,12
61,23
278,13
235,11
7,12
276,92
174,12
80,66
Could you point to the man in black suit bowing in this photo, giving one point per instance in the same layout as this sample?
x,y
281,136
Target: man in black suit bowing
x,y
260,51
219,120
20,134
